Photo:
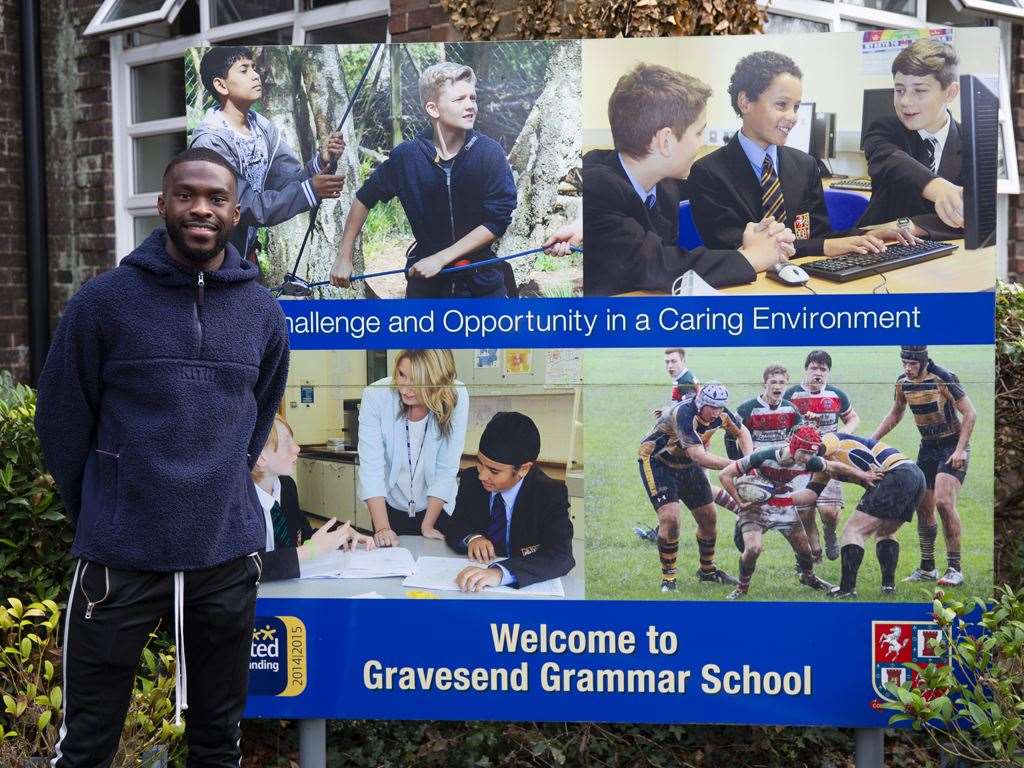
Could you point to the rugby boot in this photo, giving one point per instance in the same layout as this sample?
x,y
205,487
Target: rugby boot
x,y
811,580
951,578
921,575
737,594
668,585
646,534
888,589
838,594
717,576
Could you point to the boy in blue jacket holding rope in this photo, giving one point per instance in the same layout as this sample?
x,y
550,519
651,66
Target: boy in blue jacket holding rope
x,y
456,188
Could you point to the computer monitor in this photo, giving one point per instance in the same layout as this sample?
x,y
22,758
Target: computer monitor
x,y
800,135
823,135
979,115
877,103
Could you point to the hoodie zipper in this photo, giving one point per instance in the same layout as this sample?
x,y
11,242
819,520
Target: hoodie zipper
x,y
448,183
196,314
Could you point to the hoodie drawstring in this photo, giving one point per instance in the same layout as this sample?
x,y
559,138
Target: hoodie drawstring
x,y
181,675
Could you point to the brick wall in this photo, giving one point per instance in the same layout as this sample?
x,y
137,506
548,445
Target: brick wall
x,y
79,146
79,162
1015,248
13,296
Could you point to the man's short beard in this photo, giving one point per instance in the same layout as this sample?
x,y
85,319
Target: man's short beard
x,y
177,235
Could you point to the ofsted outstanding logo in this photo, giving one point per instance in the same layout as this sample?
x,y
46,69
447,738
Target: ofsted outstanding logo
x,y
277,659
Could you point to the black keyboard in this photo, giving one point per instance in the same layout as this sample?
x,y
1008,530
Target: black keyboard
x,y
841,269
857,183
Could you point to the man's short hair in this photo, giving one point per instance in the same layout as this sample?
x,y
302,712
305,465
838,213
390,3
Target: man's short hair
x,y
200,155
437,77
217,61
928,57
678,350
755,72
772,370
819,356
651,97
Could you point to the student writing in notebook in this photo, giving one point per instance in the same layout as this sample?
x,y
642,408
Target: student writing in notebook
x,y
508,508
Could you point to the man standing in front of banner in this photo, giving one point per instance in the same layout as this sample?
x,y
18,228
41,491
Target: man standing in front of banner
x,y
156,399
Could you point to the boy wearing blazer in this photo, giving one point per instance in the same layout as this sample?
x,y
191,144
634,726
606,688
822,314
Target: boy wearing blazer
x,y
631,194
756,176
507,507
914,156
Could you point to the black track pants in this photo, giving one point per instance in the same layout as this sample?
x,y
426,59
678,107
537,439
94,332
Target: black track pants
x,y
109,618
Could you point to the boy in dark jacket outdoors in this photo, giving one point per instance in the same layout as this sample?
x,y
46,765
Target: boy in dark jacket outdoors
x,y
273,184
456,188
157,395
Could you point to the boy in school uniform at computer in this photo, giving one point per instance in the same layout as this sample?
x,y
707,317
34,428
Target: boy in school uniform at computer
x,y
914,156
755,175
507,507
631,194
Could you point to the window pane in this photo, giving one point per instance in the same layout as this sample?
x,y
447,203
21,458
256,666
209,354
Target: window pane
x,y
282,36
158,90
230,11
908,7
366,31
143,225
778,24
152,153
125,8
845,25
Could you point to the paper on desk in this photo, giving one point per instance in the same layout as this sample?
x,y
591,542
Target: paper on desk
x,y
692,284
439,573
368,596
361,564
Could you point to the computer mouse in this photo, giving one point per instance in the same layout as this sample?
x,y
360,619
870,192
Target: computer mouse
x,y
787,274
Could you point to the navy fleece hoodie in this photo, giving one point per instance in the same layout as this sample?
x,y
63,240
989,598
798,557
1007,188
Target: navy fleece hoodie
x,y
443,207
155,399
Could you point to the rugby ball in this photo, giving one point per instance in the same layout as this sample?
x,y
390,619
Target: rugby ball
x,y
753,489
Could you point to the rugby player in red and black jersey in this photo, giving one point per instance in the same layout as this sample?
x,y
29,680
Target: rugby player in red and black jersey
x,y
945,417
780,465
823,406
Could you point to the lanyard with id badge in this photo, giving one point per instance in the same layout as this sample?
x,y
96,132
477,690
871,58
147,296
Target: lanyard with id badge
x,y
413,466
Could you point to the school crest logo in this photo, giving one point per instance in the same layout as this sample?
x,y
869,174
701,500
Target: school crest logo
x,y
802,226
896,643
277,657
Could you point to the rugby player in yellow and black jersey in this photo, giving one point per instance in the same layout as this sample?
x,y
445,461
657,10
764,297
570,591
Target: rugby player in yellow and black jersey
x,y
673,458
885,506
945,417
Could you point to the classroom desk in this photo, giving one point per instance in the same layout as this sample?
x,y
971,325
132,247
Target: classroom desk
x,y
960,272
391,587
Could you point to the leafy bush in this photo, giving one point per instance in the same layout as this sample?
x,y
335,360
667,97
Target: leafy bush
x,y
980,714
35,534
32,699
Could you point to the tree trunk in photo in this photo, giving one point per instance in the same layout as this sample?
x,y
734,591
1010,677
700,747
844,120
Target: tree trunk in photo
x,y
319,70
547,149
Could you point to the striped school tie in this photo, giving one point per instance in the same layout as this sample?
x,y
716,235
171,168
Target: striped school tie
x,y
498,526
772,203
280,522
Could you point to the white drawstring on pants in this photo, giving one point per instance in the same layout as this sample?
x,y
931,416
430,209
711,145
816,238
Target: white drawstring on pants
x,y
181,678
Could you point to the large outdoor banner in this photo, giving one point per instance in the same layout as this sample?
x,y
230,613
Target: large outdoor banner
x,y
657,375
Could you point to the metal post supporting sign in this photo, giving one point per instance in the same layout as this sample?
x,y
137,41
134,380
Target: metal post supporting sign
x,y
869,746
313,744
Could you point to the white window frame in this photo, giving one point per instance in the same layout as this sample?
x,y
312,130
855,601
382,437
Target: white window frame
x,y
834,12
127,204
167,12
988,8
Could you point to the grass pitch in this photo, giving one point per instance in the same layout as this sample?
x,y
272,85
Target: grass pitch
x,y
623,386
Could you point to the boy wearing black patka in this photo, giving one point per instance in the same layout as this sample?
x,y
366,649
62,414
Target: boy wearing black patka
x,y
508,508
756,176
914,156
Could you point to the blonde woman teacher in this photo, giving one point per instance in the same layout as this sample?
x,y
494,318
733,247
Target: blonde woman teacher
x,y
412,428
